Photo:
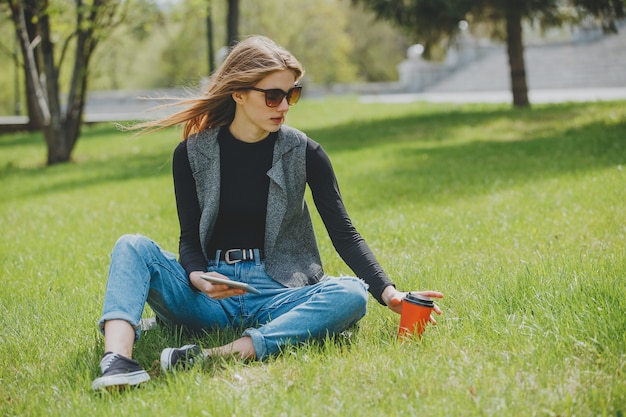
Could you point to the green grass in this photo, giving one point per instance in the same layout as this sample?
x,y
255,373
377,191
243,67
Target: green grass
x,y
518,216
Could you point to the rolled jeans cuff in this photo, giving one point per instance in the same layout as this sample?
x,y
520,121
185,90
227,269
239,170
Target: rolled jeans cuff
x,y
120,316
258,341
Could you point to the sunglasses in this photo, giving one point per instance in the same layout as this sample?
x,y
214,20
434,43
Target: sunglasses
x,y
275,96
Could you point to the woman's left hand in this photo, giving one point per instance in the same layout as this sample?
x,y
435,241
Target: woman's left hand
x,y
393,298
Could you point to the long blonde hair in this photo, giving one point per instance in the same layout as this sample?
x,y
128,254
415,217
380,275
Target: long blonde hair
x,y
247,63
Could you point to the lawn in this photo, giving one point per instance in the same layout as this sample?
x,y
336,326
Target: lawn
x,y
518,216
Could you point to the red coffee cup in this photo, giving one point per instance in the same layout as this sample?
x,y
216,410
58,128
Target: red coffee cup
x,y
415,314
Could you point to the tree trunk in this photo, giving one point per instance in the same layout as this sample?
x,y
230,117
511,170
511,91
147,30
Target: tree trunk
x,y
38,111
232,35
56,139
34,117
209,37
85,43
55,132
515,49
60,125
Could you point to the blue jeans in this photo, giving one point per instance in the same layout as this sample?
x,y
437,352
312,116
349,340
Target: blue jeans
x,y
142,272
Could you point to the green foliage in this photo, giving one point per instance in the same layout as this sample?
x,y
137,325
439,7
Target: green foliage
x,y
334,41
161,45
434,23
128,57
378,46
8,48
429,21
314,31
185,58
10,96
607,11
515,215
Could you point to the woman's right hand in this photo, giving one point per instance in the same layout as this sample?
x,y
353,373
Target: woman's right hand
x,y
215,291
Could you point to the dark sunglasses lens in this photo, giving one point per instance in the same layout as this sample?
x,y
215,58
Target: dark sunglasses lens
x,y
274,97
294,95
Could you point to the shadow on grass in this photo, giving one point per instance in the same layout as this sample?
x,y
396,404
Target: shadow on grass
x,y
26,139
68,177
482,166
437,126
525,145
546,146
113,163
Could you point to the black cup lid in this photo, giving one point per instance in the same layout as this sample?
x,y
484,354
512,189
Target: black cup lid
x,y
419,299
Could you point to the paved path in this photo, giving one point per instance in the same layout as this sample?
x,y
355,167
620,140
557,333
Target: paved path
x,y
534,96
137,109
133,109
560,72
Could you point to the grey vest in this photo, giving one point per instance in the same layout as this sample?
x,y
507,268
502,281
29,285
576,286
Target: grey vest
x,y
291,253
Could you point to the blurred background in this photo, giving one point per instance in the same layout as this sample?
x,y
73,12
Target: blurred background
x,y
134,52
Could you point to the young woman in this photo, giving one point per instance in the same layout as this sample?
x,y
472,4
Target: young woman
x,y
239,180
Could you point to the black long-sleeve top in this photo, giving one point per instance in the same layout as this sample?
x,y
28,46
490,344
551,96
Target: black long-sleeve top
x,y
243,203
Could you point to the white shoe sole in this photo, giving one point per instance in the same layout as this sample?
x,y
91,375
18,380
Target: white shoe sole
x,y
166,357
132,378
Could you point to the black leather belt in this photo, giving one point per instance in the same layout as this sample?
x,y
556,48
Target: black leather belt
x,y
232,256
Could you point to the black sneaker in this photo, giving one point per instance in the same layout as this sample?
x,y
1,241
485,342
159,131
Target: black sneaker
x,y
119,371
183,357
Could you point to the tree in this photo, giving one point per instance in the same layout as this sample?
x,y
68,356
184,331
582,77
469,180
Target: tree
x,y
434,22
607,11
209,37
59,120
232,22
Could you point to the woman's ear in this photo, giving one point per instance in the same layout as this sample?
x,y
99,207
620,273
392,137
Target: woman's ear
x,y
238,96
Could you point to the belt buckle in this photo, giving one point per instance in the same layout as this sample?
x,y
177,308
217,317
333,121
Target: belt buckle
x,y
227,256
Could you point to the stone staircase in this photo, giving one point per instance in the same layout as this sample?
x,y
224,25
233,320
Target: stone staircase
x,y
595,63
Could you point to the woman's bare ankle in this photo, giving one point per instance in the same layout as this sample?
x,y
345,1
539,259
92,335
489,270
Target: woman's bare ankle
x,y
119,337
242,348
